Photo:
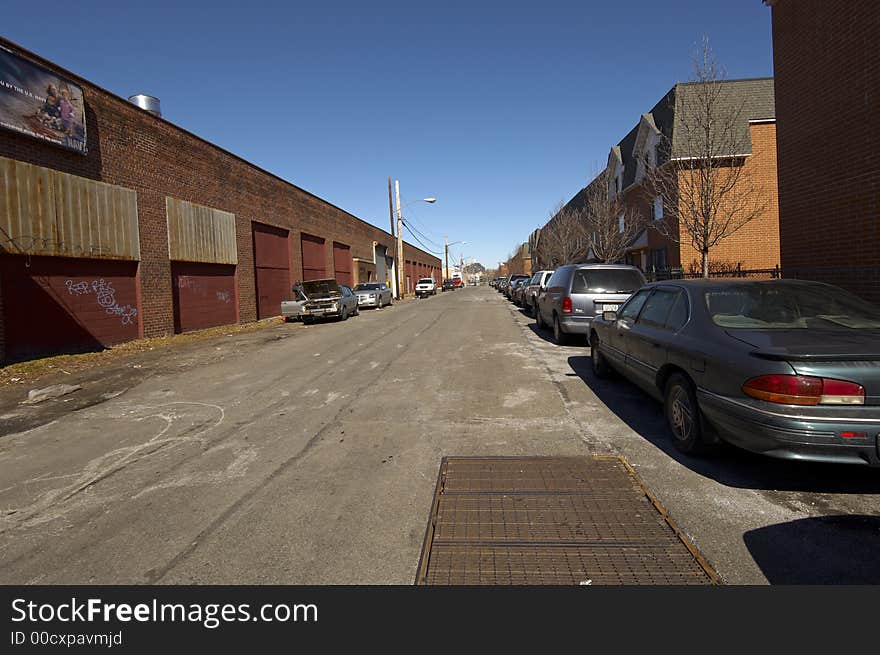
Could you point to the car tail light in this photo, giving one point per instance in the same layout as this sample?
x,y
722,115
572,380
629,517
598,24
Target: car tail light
x,y
566,305
804,390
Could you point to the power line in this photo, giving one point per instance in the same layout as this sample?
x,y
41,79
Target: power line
x,y
423,235
413,235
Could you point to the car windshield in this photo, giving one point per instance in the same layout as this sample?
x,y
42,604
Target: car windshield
x,y
606,280
789,306
366,287
426,280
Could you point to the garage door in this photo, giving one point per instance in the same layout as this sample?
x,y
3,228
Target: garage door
x,y
204,295
342,263
272,268
56,305
313,258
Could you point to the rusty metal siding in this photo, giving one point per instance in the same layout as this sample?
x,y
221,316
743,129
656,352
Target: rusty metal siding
x,y
46,212
200,234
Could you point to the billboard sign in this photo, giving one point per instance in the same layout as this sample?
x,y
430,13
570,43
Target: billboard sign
x,y
37,102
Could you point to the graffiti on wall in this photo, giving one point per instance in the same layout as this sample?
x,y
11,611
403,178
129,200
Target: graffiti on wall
x,y
224,296
105,295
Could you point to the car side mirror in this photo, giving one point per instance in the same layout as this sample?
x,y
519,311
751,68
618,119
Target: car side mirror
x,y
609,316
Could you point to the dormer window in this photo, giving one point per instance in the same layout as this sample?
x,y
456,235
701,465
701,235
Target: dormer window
x,y
657,208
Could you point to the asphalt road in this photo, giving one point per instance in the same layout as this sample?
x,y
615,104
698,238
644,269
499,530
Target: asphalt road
x,y
309,454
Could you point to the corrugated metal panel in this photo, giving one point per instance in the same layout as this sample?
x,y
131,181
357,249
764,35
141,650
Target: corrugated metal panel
x,y
46,212
200,234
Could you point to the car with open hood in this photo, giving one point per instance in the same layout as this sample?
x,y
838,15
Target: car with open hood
x,y
326,299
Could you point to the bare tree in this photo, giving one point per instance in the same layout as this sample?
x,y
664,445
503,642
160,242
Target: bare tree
x,y
563,239
708,191
610,224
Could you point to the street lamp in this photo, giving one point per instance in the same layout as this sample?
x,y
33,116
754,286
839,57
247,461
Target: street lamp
x,y
400,260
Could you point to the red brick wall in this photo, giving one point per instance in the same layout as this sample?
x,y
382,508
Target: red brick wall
x,y
131,148
827,76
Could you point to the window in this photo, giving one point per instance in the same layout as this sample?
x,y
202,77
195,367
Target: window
x,y
678,315
606,280
657,208
621,224
658,259
631,309
657,308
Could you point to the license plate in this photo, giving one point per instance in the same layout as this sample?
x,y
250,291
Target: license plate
x,y
610,308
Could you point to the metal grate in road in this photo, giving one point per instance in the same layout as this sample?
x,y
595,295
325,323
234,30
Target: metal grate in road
x,y
554,521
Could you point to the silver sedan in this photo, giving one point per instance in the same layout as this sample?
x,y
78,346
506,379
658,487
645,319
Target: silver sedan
x,y
373,294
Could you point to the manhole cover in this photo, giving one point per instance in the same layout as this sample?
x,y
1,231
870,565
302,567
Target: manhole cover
x,y
551,521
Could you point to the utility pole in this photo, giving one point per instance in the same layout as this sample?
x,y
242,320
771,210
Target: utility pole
x,y
390,207
400,263
391,214
446,275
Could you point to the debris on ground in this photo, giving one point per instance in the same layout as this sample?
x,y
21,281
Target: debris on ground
x,y
47,393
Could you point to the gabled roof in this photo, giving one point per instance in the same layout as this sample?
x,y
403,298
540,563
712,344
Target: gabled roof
x,y
755,96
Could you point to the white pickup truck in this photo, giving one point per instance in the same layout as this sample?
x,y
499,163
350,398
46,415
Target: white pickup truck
x,y
426,287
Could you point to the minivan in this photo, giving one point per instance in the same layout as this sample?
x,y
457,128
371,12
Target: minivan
x,y
576,293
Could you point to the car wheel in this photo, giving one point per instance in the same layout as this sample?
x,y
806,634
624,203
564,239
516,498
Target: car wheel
x,y
357,311
683,415
539,321
558,334
307,320
601,368
343,314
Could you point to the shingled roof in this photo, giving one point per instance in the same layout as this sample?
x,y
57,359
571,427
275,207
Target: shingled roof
x,y
755,96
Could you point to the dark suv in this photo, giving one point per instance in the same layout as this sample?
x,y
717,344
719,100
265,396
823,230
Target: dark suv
x,y
576,293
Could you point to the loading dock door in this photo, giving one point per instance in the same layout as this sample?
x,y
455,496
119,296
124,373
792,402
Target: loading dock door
x,y
342,263
204,295
313,258
59,304
272,268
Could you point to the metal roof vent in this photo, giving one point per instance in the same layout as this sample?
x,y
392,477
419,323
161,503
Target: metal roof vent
x,y
147,103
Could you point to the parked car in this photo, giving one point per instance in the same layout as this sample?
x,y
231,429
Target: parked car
x,y
518,287
426,287
457,282
447,285
576,293
532,288
787,368
508,289
373,294
325,299
292,308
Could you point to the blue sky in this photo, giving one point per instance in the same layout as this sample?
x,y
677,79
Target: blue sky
x,y
500,110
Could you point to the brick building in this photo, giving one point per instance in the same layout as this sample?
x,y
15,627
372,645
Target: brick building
x,y
827,97
149,229
521,261
657,138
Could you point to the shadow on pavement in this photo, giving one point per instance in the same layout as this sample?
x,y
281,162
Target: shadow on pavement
x,y
571,340
727,465
837,549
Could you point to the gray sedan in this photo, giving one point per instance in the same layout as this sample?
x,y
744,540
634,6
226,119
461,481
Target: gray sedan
x,y
373,294
787,368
